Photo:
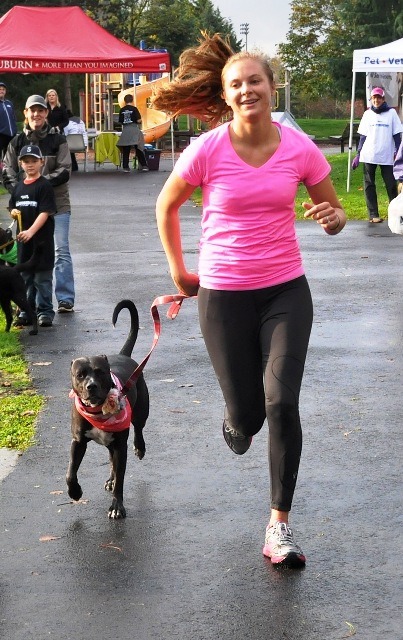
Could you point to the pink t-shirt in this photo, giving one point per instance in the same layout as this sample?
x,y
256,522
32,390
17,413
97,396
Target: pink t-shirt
x,y
248,232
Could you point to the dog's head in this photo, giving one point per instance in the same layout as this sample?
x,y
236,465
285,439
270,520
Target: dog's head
x,y
91,379
6,235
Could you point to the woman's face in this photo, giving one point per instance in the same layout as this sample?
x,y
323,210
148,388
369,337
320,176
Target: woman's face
x,y
247,89
52,97
36,117
377,101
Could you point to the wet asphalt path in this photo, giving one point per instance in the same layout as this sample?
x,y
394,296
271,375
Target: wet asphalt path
x,y
187,562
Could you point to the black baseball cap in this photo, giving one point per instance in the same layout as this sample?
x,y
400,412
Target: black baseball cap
x,y
3,84
30,150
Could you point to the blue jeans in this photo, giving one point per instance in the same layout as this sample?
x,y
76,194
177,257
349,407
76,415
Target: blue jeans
x,y
64,277
39,287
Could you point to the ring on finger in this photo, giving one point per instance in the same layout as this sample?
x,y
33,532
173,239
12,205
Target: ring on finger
x,y
326,220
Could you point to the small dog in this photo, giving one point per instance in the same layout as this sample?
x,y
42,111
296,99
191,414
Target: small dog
x,y
12,288
8,249
102,414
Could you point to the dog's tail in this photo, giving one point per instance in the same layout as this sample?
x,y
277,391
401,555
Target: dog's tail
x,y
32,263
128,346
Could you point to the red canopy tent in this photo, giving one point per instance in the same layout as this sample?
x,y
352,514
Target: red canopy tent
x,y
66,40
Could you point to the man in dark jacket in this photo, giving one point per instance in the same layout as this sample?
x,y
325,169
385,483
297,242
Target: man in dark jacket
x,y
8,123
57,169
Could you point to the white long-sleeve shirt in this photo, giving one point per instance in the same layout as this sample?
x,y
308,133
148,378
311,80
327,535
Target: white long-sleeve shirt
x,y
379,129
76,127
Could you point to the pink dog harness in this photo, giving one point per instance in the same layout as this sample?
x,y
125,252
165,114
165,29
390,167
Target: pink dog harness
x,y
114,415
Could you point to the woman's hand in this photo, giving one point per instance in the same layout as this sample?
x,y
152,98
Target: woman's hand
x,y
324,214
187,283
325,207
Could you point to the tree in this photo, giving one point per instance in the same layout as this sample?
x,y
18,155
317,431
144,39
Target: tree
x,y
322,38
122,18
362,24
208,18
168,24
176,24
303,52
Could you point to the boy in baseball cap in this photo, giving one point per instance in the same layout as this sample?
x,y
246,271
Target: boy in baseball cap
x,y
30,150
32,204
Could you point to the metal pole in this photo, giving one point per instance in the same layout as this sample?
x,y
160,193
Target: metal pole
x,y
350,139
244,31
287,91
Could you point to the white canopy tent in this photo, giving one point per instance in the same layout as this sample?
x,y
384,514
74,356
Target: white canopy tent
x,y
385,59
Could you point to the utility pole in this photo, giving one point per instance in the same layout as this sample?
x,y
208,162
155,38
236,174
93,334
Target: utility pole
x,y
287,90
244,32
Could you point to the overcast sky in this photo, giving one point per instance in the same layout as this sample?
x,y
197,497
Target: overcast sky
x,y
268,21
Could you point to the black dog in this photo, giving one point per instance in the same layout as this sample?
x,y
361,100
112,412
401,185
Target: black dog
x,y
7,244
12,289
94,391
12,285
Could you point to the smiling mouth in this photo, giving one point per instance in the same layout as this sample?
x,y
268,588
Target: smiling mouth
x,y
92,401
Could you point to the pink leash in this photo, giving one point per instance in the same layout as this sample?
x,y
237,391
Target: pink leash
x,y
175,300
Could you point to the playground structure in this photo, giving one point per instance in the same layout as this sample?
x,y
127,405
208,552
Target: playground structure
x,y
104,97
155,123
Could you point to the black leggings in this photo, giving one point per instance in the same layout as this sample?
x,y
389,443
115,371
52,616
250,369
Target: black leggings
x,y
257,342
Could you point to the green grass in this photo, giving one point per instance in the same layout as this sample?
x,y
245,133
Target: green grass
x,y
354,200
20,404
322,128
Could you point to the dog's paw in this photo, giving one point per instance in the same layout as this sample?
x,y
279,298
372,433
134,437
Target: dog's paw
x,y
139,446
33,332
140,453
116,510
75,492
109,484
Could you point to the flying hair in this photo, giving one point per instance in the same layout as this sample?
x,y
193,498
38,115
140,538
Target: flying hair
x,y
197,86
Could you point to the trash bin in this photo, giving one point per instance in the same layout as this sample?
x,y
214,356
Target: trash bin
x,y
153,157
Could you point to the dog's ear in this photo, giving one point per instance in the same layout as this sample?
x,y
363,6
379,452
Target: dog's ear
x,y
77,362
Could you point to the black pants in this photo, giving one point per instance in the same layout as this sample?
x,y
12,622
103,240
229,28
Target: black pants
x,y
370,189
4,140
126,155
257,342
74,164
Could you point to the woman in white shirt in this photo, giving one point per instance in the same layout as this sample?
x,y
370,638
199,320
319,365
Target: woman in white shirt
x,y
380,133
